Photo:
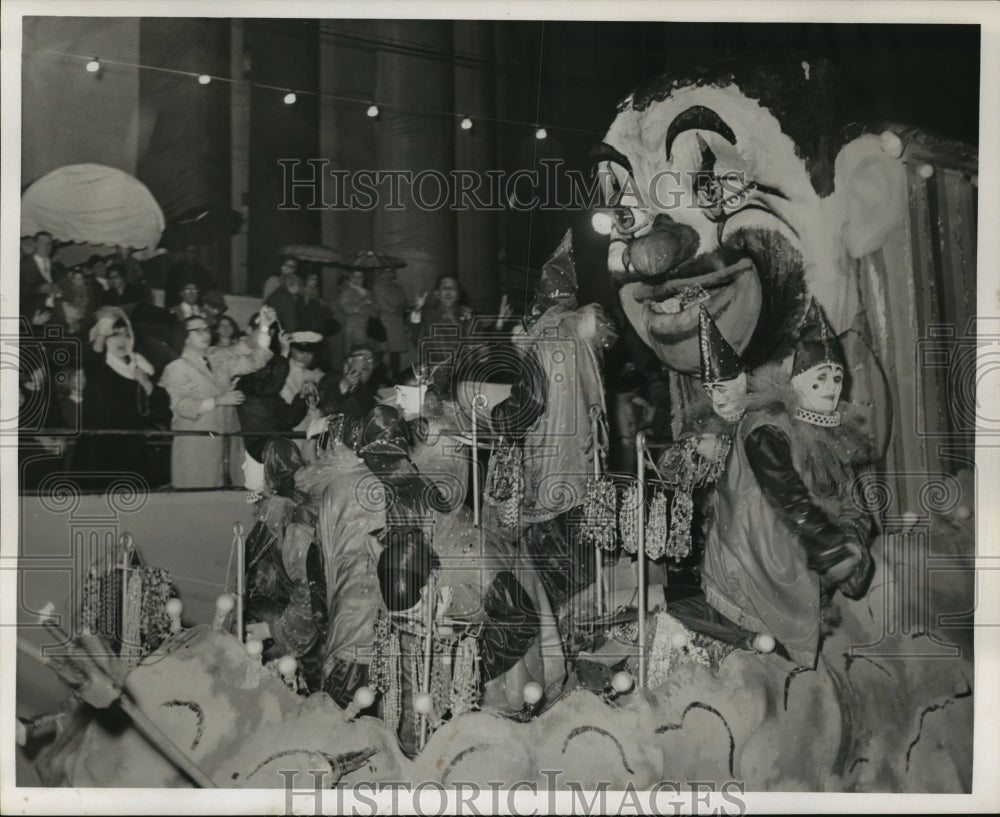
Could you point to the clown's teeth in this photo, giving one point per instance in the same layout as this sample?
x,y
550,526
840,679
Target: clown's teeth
x,y
671,306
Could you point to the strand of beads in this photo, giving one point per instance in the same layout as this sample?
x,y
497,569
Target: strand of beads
x,y
109,604
627,523
378,670
441,681
709,469
156,623
465,679
499,485
599,513
392,696
420,700
504,488
131,647
656,528
91,607
681,520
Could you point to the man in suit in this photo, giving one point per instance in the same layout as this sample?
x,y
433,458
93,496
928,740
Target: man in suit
x,y
38,275
200,385
287,299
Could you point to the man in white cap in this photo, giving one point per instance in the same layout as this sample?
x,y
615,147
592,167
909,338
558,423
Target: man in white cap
x,y
302,350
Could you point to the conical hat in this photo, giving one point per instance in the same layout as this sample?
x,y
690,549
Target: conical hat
x,y
719,360
817,342
558,282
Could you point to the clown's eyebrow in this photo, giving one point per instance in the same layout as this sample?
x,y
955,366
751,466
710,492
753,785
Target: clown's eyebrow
x,y
603,152
697,117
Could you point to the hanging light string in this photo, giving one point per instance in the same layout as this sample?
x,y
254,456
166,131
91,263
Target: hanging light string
x,y
539,129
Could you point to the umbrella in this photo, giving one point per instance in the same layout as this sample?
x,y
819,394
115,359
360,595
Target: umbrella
x,y
372,259
316,253
198,226
94,205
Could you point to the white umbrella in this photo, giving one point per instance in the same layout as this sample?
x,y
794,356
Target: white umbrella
x,y
92,205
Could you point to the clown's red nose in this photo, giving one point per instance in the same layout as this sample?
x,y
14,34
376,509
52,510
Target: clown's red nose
x,y
664,247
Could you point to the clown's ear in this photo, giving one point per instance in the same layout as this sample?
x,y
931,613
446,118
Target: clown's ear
x,y
871,188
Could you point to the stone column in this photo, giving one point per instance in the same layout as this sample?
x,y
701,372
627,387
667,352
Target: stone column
x,y
475,153
415,86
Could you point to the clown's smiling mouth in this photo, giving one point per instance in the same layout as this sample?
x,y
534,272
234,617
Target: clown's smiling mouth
x,y
691,283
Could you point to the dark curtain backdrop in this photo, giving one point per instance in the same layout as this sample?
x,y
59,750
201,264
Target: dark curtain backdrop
x,y
285,54
184,145
68,115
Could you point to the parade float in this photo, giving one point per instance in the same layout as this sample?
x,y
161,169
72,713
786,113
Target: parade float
x,y
762,200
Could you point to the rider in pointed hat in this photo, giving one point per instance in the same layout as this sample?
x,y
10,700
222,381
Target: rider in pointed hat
x,y
693,465
723,372
786,531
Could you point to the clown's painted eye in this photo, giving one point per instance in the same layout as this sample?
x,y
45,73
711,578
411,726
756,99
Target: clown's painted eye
x,y
708,190
722,196
619,196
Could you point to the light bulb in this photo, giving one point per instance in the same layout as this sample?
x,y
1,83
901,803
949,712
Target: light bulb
x,y
622,681
925,171
287,665
94,66
204,79
466,123
532,693
423,704
364,697
290,98
373,111
602,223
541,133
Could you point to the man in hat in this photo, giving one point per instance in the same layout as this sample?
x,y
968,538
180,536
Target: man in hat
x,y
786,531
302,350
286,299
350,392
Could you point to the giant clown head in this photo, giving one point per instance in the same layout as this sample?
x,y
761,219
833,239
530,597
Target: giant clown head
x,y
742,192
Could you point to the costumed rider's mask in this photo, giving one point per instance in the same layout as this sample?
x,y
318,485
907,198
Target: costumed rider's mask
x,y
728,397
818,369
723,372
818,389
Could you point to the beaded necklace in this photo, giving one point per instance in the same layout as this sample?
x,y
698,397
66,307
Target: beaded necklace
x,y
817,419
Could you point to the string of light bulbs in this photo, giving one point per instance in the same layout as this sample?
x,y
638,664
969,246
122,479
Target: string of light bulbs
x,y
373,109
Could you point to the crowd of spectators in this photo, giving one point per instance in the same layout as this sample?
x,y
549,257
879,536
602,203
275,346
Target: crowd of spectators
x,y
133,365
